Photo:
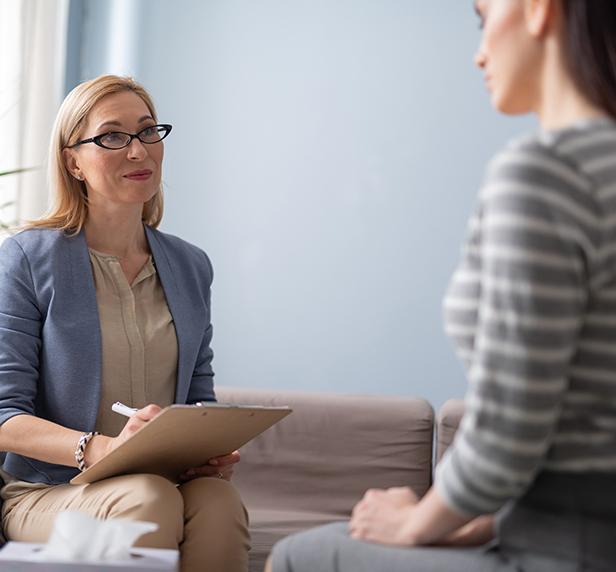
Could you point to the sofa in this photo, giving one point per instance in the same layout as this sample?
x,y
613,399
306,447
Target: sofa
x,y
313,466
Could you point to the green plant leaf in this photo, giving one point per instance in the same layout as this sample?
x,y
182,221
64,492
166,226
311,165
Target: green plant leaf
x,y
18,171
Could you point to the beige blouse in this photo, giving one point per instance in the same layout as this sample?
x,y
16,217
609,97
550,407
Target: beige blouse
x,y
140,350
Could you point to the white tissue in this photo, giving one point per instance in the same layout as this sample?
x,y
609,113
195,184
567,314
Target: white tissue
x,y
77,536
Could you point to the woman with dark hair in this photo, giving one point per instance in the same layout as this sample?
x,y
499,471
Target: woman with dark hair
x,y
98,306
532,313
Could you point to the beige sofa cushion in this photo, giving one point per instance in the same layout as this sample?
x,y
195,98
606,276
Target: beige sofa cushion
x,y
314,465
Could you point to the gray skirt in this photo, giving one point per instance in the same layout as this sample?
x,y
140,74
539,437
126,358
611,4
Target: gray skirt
x,y
560,525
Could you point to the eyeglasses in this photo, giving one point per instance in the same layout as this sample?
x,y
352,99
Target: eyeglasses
x,y
119,140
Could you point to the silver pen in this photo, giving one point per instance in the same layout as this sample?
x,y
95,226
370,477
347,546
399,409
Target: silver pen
x,y
123,409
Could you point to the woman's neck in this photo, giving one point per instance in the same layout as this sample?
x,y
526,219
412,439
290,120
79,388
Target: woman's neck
x,y
121,234
567,108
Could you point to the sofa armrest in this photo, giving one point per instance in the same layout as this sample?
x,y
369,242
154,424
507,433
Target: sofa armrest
x,y
447,423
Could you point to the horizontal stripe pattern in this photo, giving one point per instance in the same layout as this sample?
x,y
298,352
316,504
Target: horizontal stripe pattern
x,y
531,311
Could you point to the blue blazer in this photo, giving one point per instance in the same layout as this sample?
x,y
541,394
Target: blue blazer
x,y
50,336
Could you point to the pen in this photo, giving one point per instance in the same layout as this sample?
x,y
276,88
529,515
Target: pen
x,y
123,409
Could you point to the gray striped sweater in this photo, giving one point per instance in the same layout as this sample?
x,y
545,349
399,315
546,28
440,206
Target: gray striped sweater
x,y
532,313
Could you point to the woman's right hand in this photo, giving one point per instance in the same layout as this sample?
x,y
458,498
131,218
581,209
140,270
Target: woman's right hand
x,y
101,445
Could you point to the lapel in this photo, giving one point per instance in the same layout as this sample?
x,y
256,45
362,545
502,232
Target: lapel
x,y
179,301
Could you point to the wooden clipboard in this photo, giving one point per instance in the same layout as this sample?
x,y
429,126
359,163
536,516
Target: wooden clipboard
x,y
181,437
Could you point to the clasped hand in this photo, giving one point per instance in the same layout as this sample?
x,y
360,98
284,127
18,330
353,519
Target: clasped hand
x,y
396,517
382,516
219,467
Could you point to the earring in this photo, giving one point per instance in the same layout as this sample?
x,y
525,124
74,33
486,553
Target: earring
x,y
79,177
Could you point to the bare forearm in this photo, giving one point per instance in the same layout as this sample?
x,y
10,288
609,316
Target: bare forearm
x,y
39,439
477,532
433,520
396,517
46,441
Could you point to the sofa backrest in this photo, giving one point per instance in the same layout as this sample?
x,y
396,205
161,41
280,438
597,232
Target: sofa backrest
x,y
323,457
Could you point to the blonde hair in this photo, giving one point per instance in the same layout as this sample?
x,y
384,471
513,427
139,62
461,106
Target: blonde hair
x,y
69,202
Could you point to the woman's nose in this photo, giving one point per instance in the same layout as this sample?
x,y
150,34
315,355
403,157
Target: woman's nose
x,y
136,149
480,58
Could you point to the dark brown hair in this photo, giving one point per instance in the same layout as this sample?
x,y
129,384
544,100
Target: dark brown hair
x,y
590,41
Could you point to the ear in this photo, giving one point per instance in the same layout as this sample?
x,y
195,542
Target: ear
x,y
71,162
538,14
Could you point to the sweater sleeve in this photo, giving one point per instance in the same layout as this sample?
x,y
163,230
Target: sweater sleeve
x,y
514,310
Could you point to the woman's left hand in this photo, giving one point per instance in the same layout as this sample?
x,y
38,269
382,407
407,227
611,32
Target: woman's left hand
x,y
219,467
381,516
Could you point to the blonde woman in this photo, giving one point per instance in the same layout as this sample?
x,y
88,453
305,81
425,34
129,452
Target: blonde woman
x,y
97,306
532,312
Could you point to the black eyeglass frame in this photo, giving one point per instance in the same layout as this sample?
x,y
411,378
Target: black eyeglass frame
x,y
97,140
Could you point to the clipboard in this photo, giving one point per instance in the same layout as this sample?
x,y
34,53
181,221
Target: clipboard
x,y
181,437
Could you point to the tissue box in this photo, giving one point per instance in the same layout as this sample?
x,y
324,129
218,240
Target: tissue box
x,y
16,557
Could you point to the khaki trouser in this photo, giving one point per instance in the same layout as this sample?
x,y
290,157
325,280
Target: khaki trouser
x,y
203,518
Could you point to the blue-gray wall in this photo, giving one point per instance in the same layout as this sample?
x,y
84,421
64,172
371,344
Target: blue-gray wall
x,y
326,154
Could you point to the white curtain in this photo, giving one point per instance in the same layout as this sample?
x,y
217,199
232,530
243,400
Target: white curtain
x,y
32,62
10,69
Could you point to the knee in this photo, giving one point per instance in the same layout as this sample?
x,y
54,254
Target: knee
x,y
152,499
215,497
145,495
314,549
